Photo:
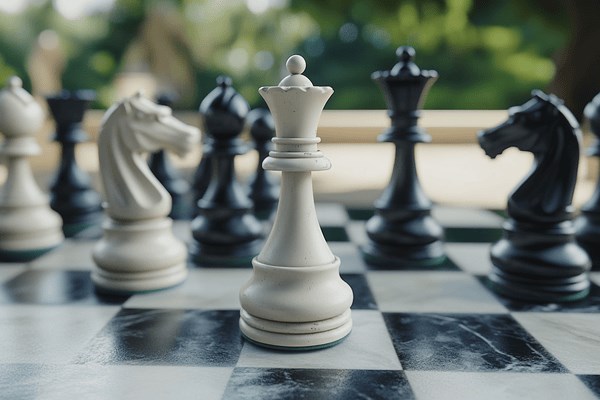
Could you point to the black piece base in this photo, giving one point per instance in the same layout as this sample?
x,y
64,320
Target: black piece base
x,y
557,272
238,256
588,236
397,257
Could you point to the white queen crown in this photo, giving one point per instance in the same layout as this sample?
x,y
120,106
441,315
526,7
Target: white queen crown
x,y
296,106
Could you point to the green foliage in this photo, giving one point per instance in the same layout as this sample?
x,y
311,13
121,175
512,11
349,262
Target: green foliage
x,y
489,54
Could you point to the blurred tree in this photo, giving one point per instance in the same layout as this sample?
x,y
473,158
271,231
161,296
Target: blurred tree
x,y
489,53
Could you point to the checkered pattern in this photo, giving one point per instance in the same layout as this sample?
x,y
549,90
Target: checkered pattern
x,y
431,334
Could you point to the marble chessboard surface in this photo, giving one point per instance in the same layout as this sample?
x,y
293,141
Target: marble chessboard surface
x,y
424,334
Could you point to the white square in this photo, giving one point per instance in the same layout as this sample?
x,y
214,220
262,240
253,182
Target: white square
x,y
429,385
473,258
42,334
123,381
350,257
466,217
368,346
72,254
9,271
574,339
431,291
332,214
215,289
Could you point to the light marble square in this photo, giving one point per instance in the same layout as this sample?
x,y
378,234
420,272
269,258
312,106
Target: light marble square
x,y
42,334
574,339
496,386
331,214
350,257
466,217
431,291
72,254
215,289
367,347
92,382
9,271
473,258
595,277
357,232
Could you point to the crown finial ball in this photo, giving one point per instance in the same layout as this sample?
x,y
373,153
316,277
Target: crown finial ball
x,y
296,64
405,53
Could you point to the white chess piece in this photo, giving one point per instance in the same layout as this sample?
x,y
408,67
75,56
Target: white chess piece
x,y
138,251
28,226
295,297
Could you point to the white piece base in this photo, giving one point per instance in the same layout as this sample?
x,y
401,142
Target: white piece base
x,y
296,307
135,257
29,230
295,335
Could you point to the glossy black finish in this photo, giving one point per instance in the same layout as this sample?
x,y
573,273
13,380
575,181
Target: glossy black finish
x,y
588,223
225,232
166,174
71,194
402,231
326,384
167,337
589,304
467,342
263,185
538,259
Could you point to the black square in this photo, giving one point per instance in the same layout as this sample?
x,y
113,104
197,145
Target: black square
x,y
592,382
363,298
467,342
167,337
53,287
316,384
335,233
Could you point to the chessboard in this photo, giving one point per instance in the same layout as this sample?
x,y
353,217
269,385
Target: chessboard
x,y
418,333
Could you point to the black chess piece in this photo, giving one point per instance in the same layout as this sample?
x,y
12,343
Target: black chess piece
x,y
588,223
163,169
71,194
538,259
263,186
203,173
224,232
402,232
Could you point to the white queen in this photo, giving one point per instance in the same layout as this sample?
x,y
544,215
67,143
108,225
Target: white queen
x,y
295,298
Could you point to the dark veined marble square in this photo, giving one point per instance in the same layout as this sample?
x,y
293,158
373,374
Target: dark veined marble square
x,y
446,265
360,214
167,337
317,384
592,382
589,304
467,342
363,298
54,287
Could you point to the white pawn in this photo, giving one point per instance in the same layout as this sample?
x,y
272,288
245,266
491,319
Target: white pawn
x,y
295,298
138,251
28,226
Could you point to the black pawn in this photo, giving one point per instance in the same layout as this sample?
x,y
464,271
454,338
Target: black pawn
x,y
263,186
588,223
225,232
71,194
166,174
203,173
538,259
402,232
